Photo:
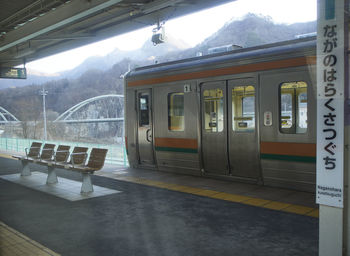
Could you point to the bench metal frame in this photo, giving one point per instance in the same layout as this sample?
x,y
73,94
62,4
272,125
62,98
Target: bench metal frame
x,y
77,163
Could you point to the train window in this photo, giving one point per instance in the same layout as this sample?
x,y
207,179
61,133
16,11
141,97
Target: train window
x,y
213,110
144,110
243,108
293,107
286,109
176,118
302,112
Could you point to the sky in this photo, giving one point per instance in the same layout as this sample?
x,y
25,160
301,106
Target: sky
x,y
192,29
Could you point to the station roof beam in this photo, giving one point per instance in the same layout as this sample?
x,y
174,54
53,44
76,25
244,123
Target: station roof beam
x,y
33,29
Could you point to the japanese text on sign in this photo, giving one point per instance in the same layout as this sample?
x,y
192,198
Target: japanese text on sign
x,y
330,107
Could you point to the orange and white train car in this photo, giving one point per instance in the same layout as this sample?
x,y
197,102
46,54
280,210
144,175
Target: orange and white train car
x,y
247,114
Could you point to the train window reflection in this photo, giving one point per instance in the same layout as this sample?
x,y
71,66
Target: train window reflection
x,y
143,110
243,108
213,110
176,119
293,107
302,112
286,109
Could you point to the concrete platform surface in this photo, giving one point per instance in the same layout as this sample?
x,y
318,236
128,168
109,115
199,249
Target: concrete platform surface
x,y
150,218
65,188
305,202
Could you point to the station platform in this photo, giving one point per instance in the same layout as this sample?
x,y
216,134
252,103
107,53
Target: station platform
x,y
144,212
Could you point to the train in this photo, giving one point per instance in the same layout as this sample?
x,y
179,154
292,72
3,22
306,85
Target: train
x,y
245,115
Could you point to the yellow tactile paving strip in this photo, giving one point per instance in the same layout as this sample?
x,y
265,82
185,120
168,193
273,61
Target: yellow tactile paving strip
x,y
13,243
6,156
274,205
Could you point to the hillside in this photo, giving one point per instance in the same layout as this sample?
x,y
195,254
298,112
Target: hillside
x,y
146,52
33,77
102,75
250,31
255,30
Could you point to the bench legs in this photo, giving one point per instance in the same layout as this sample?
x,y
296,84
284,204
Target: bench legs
x,y
25,168
51,177
86,187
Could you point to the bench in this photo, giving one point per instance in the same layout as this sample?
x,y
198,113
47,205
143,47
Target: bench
x,y
78,163
35,155
62,158
34,151
95,163
61,161
46,153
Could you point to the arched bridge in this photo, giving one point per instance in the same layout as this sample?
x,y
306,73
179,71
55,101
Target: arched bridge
x,y
70,116
6,117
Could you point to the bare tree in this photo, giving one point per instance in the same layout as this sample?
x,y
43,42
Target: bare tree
x,y
28,111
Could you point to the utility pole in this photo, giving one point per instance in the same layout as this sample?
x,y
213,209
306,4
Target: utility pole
x,y
44,93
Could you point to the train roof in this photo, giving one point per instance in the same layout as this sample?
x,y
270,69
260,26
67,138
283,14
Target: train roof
x,y
303,46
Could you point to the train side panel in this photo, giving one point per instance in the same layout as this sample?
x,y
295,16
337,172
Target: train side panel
x,y
288,143
176,127
248,116
130,127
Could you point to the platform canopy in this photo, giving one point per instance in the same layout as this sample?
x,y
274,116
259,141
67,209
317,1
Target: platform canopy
x,y
33,29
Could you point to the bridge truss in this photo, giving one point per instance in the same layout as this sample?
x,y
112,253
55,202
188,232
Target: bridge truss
x,y
66,117
6,117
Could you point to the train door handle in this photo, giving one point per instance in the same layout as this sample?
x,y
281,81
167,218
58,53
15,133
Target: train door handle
x,y
148,136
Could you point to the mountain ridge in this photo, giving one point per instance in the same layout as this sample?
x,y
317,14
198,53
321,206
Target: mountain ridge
x,y
89,80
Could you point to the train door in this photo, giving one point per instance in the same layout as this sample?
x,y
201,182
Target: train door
x,y
288,135
242,128
145,127
214,127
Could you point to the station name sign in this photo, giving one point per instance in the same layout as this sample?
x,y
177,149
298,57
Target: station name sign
x,y
13,73
330,103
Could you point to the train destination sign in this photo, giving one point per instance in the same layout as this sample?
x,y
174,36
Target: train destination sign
x,y
13,73
330,104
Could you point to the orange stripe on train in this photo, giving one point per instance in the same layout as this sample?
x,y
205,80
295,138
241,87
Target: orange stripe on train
x,y
287,148
176,143
262,66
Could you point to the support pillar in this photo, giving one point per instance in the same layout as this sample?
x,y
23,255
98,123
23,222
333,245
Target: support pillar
x,y
332,155
25,168
86,187
330,231
51,177
346,228
347,132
